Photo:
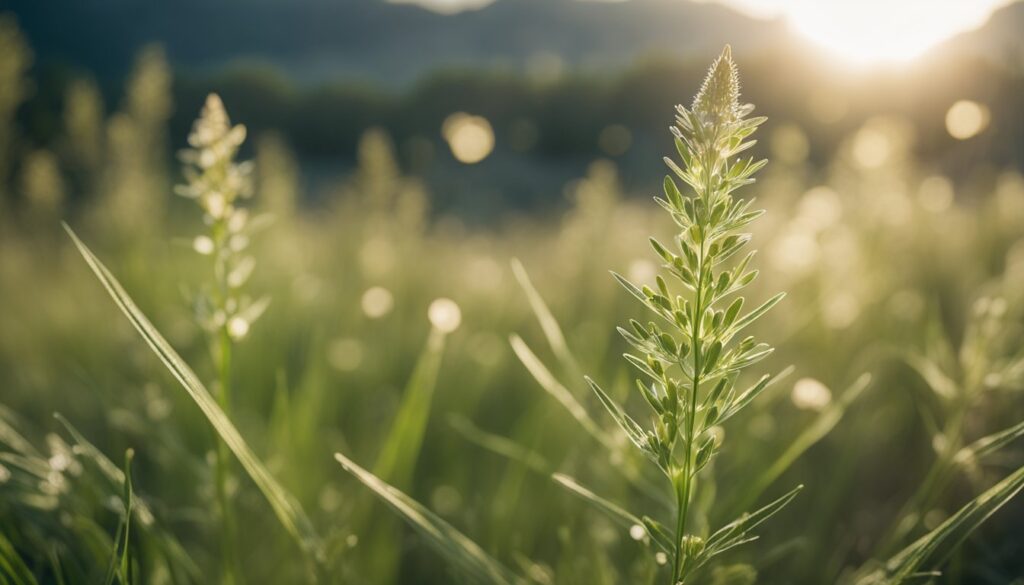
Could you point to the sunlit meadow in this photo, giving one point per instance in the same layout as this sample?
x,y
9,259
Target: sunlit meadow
x,y
269,329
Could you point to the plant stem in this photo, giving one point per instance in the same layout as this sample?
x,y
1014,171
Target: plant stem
x,y
223,471
222,467
684,491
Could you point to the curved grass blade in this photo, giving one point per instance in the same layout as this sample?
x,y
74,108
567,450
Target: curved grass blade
x,y
500,445
989,444
548,324
169,544
560,393
933,548
449,542
659,534
289,512
397,458
816,431
12,567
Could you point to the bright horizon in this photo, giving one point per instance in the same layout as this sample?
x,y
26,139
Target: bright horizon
x,y
857,31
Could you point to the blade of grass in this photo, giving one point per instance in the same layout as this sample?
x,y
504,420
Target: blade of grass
x,y
661,536
557,390
12,566
169,544
500,445
816,431
933,548
548,324
989,444
454,546
289,512
120,562
129,499
397,459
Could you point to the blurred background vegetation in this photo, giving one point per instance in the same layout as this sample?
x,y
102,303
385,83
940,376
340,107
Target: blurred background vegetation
x,y
408,155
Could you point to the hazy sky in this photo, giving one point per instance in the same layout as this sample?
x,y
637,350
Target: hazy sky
x,y
856,30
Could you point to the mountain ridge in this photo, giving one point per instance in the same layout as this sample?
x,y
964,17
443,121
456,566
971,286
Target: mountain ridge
x,y
318,40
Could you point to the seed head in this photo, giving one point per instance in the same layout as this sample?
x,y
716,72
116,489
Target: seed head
x,y
718,99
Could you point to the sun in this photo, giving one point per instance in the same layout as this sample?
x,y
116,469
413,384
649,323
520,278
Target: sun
x,y
874,31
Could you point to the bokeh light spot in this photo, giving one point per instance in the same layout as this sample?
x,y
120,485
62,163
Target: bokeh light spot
x,y
377,302
810,394
966,119
444,315
470,138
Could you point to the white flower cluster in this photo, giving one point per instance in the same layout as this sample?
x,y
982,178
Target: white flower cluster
x,y
214,180
217,183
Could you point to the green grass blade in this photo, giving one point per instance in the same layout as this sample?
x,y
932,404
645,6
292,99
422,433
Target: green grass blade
x,y
397,459
113,564
500,445
548,324
454,546
816,431
934,547
129,504
559,392
120,562
168,543
616,512
287,509
990,444
12,567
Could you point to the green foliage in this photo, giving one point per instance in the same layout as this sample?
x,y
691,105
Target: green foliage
x,y
871,256
935,547
690,369
462,552
287,509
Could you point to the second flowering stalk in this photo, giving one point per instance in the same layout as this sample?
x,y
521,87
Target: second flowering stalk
x,y
219,185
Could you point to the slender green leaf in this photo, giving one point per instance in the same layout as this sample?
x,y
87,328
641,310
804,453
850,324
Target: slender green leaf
x,y
500,445
454,546
167,542
754,315
397,459
548,323
560,393
633,430
817,430
737,531
986,445
12,567
618,514
285,506
933,548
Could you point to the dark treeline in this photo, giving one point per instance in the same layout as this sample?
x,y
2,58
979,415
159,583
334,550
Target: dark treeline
x,y
567,114
548,129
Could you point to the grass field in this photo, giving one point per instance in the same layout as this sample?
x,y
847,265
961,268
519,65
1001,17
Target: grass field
x,y
447,359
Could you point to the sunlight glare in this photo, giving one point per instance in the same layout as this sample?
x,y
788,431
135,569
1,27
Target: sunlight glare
x,y
872,31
